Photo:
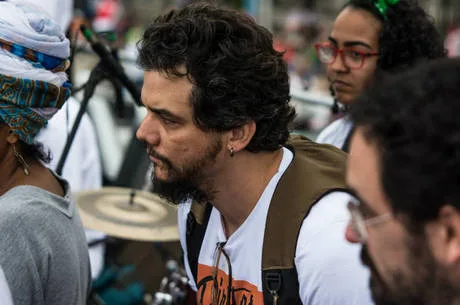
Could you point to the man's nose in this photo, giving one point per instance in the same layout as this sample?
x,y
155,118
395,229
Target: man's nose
x,y
147,132
351,235
140,132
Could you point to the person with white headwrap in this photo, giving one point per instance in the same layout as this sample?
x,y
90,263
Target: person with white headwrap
x,y
43,249
83,168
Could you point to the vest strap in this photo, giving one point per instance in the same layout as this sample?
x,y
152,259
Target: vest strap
x,y
315,171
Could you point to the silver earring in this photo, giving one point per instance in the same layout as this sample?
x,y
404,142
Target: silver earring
x,y
232,152
24,164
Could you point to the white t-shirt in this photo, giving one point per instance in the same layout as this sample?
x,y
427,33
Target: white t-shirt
x,y
329,268
60,10
336,133
82,168
5,293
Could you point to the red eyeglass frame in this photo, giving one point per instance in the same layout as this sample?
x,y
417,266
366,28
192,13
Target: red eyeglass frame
x,y
338,51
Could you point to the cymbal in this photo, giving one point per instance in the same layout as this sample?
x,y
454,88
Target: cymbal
x,y
128,214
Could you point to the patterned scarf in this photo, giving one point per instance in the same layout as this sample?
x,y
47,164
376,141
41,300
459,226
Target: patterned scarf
x,y
20,99
33,57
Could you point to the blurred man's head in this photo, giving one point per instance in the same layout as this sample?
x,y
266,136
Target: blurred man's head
x,y
405,169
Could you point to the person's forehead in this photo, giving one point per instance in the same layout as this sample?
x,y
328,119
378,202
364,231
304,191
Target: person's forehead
x,y
364,172
362,168
163,79
159,86
354,24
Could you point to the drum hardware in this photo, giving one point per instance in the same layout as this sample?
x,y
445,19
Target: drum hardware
x,y
128,214
142,216
94,299
173,287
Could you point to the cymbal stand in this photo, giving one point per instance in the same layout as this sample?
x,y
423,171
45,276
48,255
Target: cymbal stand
x,y
98,74
173,287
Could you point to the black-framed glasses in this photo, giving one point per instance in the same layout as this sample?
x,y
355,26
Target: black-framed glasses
x,y
351,58
216,297
359,223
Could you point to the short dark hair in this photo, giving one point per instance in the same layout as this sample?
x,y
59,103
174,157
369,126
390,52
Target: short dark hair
x,y
35,151
237,74
412,118
408,34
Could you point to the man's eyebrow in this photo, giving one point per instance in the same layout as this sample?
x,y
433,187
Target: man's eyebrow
x,y
166,114
364,206
350,43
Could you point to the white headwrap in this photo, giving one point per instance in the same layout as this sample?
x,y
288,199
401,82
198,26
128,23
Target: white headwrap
x,y
24,25
27,25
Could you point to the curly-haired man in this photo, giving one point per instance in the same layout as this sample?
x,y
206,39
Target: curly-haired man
x,y
216,129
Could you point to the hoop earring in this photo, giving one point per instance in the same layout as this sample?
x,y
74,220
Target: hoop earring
x,y
232,152
24,164
335,106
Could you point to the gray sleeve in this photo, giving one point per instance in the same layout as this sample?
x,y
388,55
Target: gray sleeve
x,y
19,262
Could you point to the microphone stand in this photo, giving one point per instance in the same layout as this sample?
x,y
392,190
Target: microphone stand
x,y
117,85
98,74
107,68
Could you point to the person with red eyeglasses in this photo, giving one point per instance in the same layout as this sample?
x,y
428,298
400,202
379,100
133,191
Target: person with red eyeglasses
x,y
369,37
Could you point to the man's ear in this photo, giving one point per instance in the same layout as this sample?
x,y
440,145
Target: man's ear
x,y
240,137
12,137
448,234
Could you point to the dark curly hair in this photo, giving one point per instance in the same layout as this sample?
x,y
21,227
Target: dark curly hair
x,y
237,74
412,119
35,151
408,34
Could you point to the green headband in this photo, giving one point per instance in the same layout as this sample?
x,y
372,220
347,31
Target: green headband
x,y
382,6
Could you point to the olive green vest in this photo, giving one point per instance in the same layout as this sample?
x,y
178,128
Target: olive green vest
x,y
315,171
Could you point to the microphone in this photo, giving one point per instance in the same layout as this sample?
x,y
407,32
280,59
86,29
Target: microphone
x,y
113,66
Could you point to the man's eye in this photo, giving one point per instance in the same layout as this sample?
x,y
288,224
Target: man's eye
x,y
168,121
366,213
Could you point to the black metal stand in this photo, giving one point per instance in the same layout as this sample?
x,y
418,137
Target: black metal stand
x,y
98,74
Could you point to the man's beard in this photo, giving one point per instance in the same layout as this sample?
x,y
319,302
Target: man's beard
x,y
186,183
427,284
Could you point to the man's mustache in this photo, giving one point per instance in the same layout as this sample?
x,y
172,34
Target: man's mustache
x,y
368,262
162,158
365,257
